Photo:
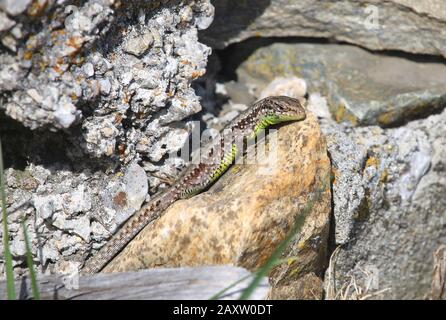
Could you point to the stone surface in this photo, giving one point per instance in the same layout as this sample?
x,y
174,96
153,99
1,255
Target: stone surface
x,y
439,275
361,87
120,70
348,160
91,98
374,24
246,214
401,223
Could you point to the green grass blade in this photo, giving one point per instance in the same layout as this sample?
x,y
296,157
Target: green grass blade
x,y
272,261
6,253
219,294
29,262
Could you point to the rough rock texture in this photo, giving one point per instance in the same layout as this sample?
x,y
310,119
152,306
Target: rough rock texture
x,y
119,69
91,94
361,87
407,25
402,221
245,215
347,160
438,291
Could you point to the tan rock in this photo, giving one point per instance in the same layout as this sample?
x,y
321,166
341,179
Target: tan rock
x,y
247,213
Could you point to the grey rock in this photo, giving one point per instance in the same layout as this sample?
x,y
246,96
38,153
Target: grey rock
x,y
317,104
17,247
135,180
48,254
98,231
361,87
139,44
238,92
69,245
5,22
123,196
56,206
403,220
290,86
46,206
347,160
79,226
88,68
14,7
374,24
75,72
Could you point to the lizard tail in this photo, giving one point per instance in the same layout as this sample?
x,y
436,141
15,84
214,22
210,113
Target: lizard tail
x,y
151,211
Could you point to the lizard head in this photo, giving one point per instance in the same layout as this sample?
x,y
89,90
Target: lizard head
x,y
277,109
282,109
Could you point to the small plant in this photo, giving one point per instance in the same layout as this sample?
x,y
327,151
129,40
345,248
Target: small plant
x,y
29,262
6,252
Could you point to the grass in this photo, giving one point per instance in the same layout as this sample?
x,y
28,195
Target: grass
x,y
10,286
29,262
6,252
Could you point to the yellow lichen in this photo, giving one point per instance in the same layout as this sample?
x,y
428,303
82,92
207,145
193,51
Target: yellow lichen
x,y
342,114
27,55
301,245
372,161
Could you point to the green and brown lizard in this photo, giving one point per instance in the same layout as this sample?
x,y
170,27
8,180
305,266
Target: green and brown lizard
x,y
200,176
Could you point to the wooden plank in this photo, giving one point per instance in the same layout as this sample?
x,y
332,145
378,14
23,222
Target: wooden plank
x,y
151,284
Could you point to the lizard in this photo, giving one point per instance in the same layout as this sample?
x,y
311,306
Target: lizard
x,y
199,176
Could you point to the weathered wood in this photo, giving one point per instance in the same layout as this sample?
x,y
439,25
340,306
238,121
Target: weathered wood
x,y
156,284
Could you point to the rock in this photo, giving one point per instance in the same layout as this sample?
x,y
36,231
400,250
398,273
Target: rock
x,y
139,44
317,104
247,213
401,223
377,25
14,7
123,196
17,247
291,87
238,93
438,279
362,88
76,59
349,194
79,226
5,22
48,253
